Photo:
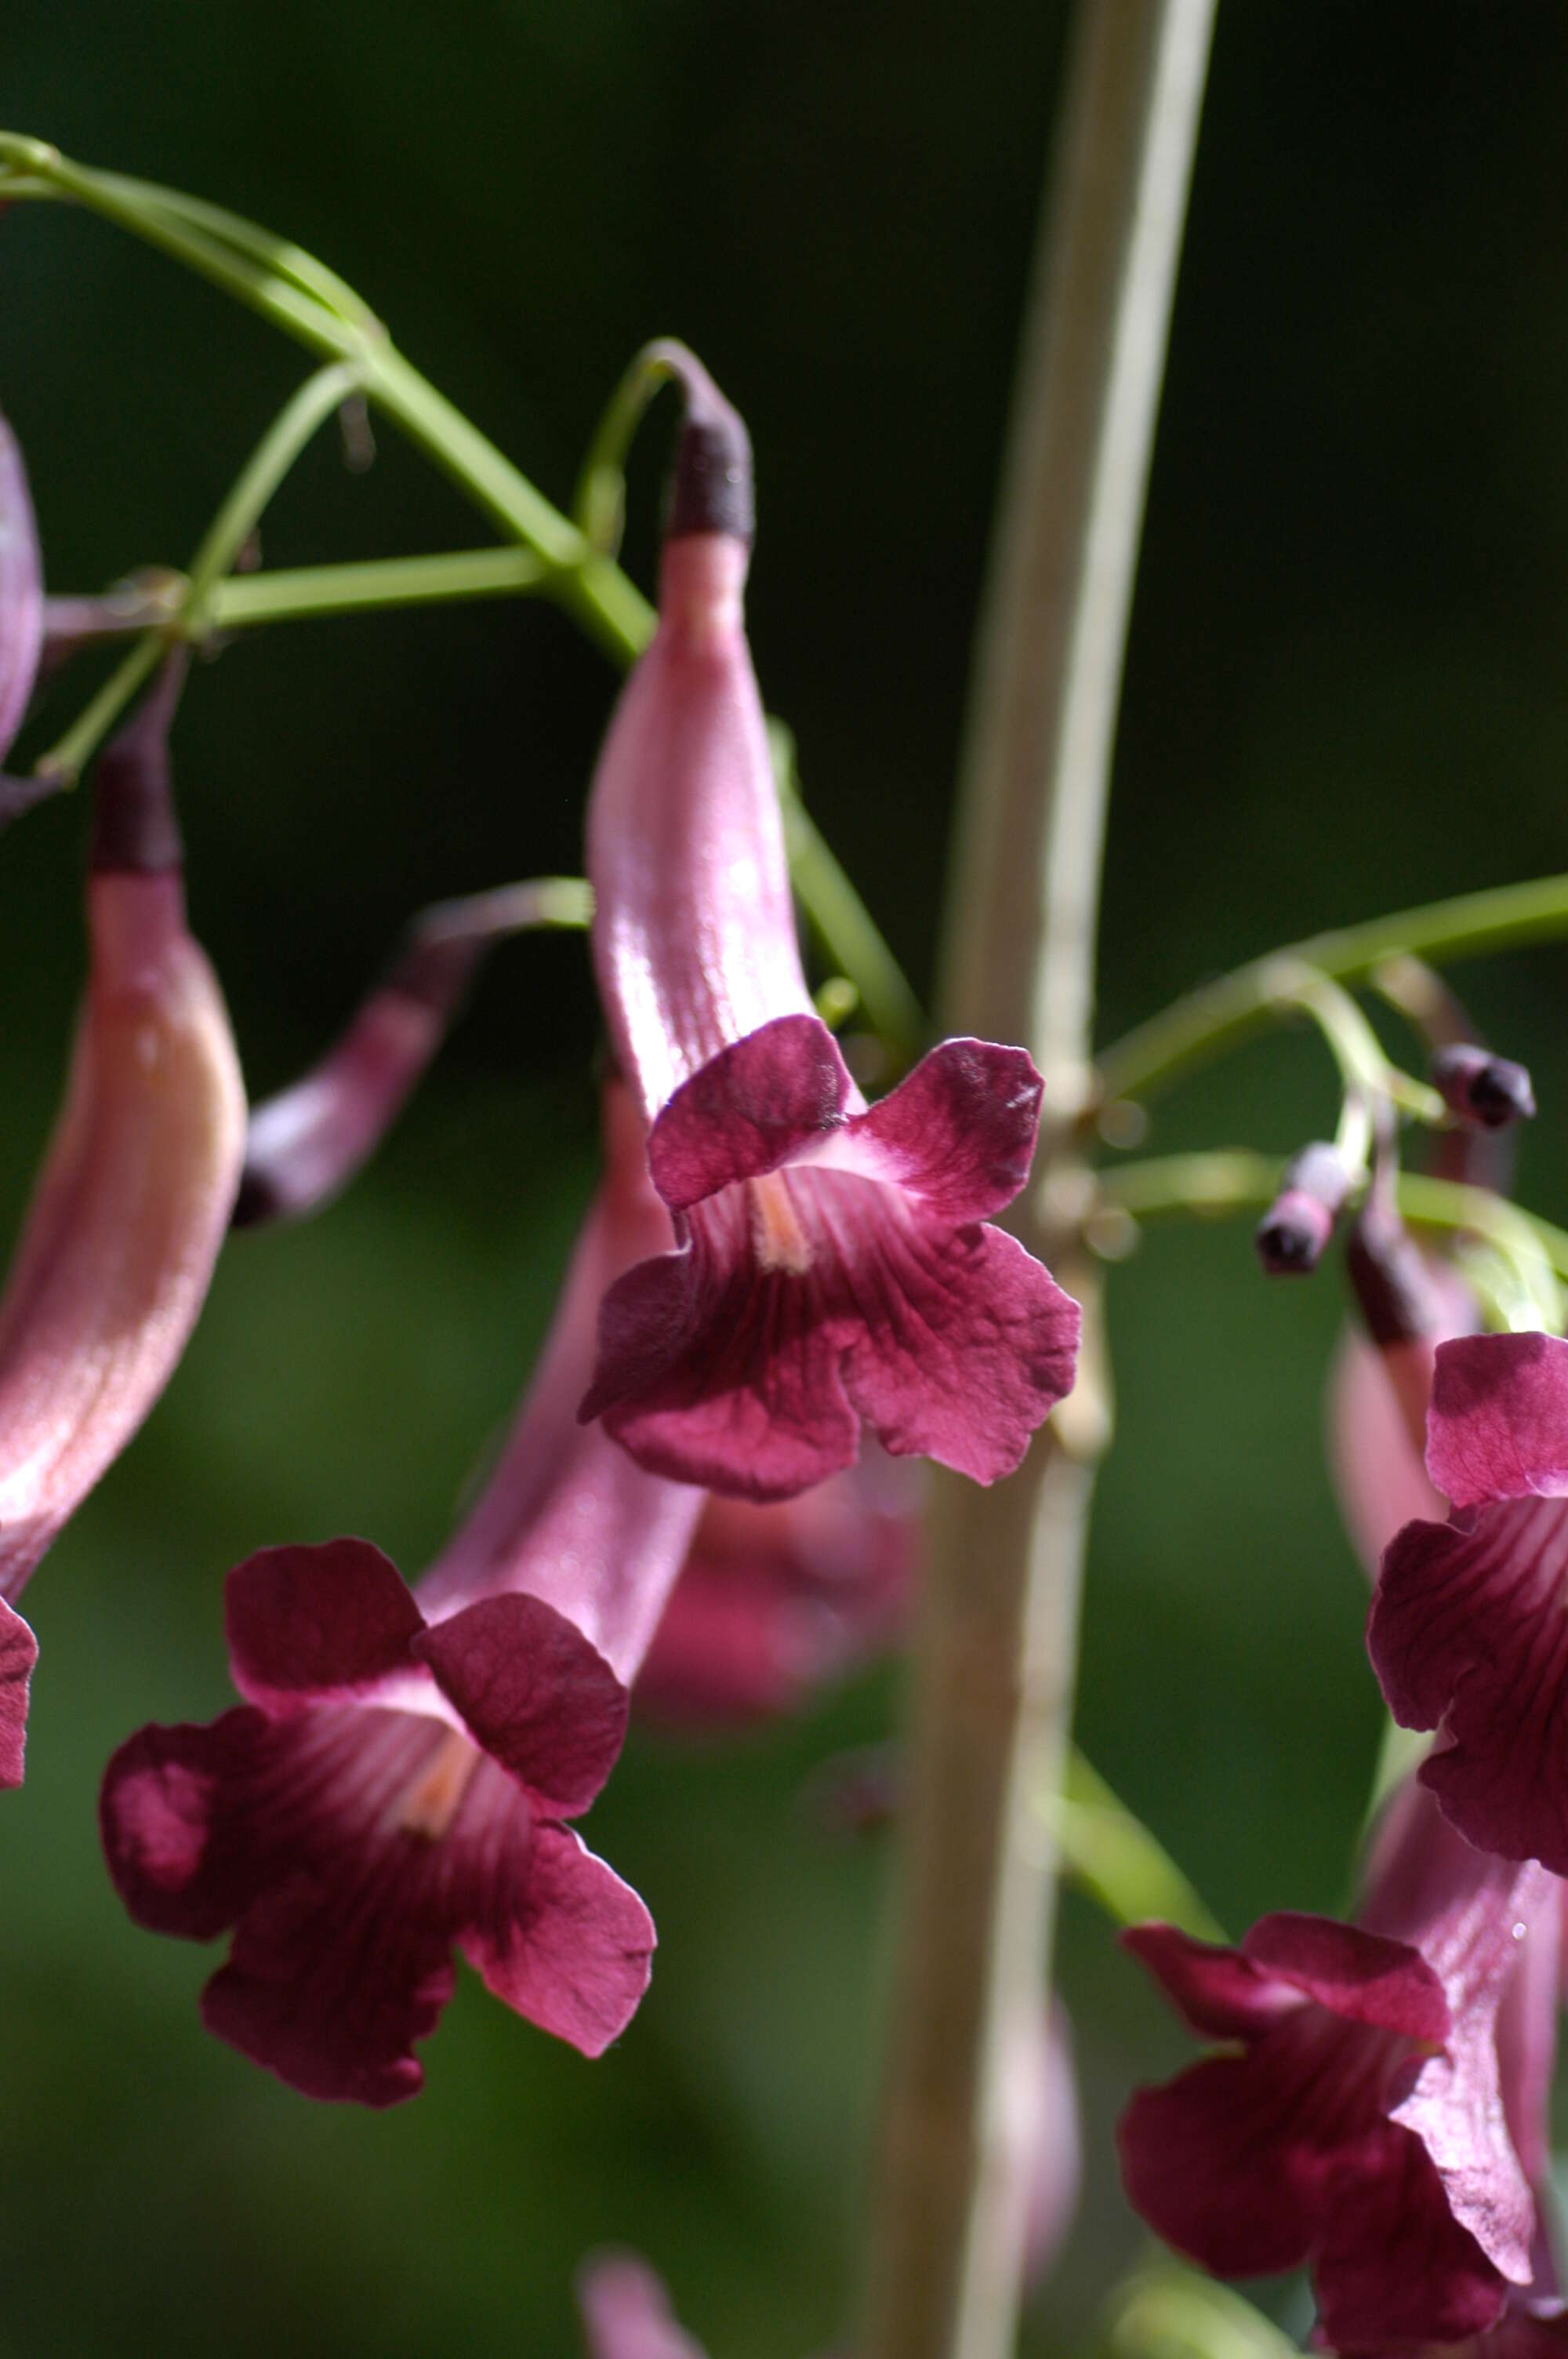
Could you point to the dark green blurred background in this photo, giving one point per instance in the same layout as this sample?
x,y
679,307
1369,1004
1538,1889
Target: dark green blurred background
x,y
1344,692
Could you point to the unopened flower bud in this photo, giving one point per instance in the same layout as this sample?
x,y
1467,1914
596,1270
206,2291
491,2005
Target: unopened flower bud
x,y
1485,1090
1294,1231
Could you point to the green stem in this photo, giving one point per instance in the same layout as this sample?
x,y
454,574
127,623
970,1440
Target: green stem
x,y
598,503
1167,2311
257,480
1364,1070
253,486
1115,1859
66,756
291,593
1198,1026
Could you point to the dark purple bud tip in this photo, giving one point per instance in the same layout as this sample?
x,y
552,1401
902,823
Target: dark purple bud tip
x,y
135,829
1394,1288
711,490
1294,1234
1487,1091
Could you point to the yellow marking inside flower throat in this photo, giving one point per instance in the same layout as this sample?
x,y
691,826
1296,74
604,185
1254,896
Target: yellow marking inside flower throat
x,y
433,1799
777,1238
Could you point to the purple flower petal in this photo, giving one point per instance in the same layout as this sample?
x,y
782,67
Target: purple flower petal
x,y
1468,1629
746,1361
1215,1989
18,1653
1237,2166
317,1624
1361,1977
536,1694
958,1135
758,1104
173,1818
576,1959
1498,1428
1394,2266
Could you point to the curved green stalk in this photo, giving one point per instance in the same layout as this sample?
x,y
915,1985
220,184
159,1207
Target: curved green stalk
x,y
292,593
1115,1858
1205,1022
253,486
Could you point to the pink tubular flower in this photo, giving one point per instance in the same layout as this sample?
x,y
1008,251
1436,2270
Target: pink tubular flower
x,y
776,1602
1359,2123
1380,1381
397,1780
1467,1621
833,1263
133,1200
21,597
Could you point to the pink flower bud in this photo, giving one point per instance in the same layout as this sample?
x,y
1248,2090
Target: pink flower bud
x,y
132,1202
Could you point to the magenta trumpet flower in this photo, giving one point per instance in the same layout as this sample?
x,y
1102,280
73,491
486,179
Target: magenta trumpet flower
x,y
1468,1618
1358,2120
833,1265
397,1780
133,1200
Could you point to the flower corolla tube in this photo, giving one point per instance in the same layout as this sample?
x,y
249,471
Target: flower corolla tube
x,y
133,1200
834,1263
21,606
1369,2117
397,1780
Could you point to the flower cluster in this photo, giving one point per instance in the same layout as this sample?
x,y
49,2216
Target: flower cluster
x,y
682,1508
1380,2110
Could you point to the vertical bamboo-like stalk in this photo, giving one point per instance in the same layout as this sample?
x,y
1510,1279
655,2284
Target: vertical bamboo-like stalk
x,y
995,1652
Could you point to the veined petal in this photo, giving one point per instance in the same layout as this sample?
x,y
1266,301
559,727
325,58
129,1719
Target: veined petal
x,y
536,1695
18,1653
573,1954
1469,1629
746,1360
1216,1991
1497,1427
1359,1976
958,1135
760,1102
1395,2267
1238,2166
317,1624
